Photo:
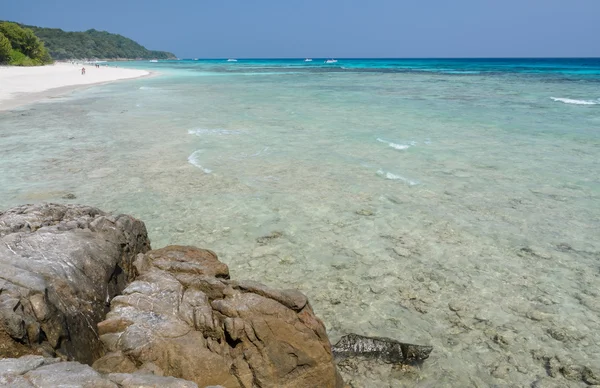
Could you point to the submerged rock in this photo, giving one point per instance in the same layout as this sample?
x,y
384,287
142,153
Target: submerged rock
x,y
60,266
379,348
184,317
269,237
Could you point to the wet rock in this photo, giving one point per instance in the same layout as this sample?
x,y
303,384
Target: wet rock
x,y
455,306
501,370
183,317
60,266
564,334
433,287
535,252
380,348
580,373
124,380
402,252
498,338
377,288
76,374
536,315
22,365
40,372
557,366
549,382
365,212
268,238
589,302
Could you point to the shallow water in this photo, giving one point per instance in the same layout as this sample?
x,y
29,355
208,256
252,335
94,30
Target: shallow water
x,y
451,203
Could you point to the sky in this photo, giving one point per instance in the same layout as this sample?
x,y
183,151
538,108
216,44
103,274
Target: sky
x,y
332,28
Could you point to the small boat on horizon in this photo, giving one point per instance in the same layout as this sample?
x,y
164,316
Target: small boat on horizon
x,y
232,60
153,60
331,61
308,60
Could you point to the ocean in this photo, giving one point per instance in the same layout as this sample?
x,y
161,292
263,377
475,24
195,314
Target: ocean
x,y
450,202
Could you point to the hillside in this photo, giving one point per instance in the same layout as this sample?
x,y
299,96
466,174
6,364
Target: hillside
x,y
93,44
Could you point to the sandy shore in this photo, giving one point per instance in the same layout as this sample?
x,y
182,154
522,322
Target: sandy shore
x,y
24,85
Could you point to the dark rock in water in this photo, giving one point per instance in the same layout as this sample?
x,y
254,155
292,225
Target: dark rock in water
x,y
268,238
60,265
184,317
379,348
69,196
365,212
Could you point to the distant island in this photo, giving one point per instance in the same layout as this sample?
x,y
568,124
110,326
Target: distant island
x,y
91,44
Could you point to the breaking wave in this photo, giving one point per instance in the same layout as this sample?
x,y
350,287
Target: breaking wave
x,y
396,146
576,102
194,159
395,177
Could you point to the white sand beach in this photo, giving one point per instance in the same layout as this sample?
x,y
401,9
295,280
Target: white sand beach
x,y
23,85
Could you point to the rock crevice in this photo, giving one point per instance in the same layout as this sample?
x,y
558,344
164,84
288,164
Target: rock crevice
x,y
59,267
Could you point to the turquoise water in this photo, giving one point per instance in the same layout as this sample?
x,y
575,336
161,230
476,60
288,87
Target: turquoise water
x,y
446,202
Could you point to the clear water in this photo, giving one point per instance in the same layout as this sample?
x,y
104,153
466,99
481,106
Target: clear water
x,y
402,189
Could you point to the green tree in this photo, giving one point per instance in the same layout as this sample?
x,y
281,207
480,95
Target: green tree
x,y
15,34
27,49
5,49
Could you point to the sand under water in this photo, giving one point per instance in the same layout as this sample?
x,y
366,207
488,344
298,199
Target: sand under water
x,y
457,207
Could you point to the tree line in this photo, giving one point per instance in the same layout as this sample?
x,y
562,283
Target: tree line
x,y
29,45
21,47
93,44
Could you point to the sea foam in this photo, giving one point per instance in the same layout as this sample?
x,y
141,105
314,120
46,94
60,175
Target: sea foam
x,y
576,102
396,146
194,159
395,177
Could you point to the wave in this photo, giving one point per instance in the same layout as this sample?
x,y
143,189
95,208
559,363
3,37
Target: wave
x,y
397,146
576,102
204,131
146,88
395,177
194,159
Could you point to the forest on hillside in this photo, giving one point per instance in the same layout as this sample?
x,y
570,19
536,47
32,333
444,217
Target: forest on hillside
x,y
93,44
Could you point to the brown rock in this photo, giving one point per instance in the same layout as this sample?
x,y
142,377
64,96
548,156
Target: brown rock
x,y
189,321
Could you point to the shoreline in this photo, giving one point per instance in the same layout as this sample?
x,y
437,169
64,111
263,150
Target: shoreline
x,y
34,84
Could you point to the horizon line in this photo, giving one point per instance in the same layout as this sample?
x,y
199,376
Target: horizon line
x,y
309,57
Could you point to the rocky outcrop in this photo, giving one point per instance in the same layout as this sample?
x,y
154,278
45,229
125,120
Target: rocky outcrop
x,y
184,317
40,372
381,349
60,265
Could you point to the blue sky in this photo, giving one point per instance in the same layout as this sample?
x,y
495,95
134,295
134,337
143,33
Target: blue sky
x,y
332,28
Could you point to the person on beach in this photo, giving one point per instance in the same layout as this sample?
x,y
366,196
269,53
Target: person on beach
x,y
83,71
